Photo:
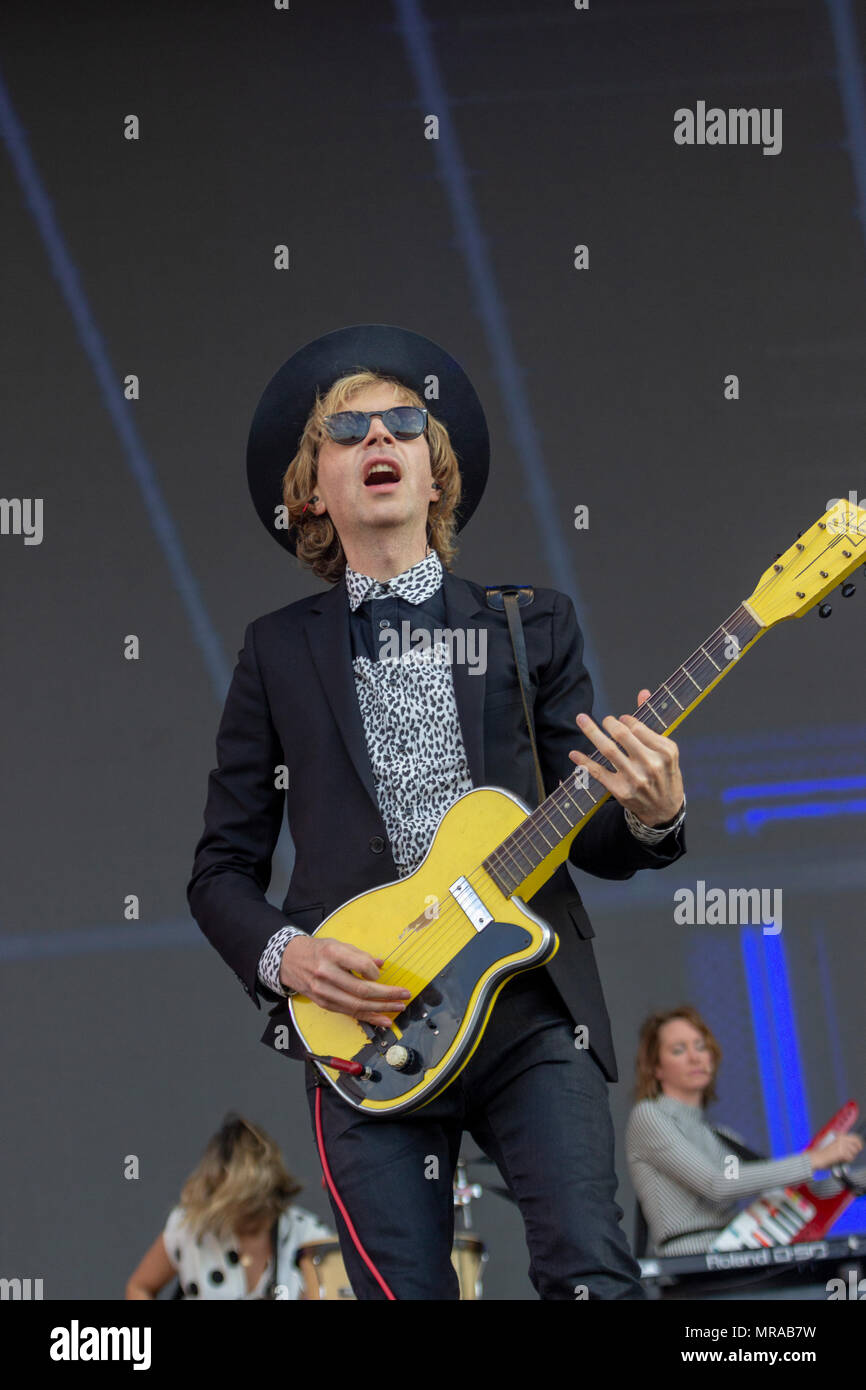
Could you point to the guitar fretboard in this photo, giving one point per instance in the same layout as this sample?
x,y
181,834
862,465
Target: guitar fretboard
x,y
531,843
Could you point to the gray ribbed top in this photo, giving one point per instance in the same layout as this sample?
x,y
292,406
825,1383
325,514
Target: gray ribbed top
x,y
677,1168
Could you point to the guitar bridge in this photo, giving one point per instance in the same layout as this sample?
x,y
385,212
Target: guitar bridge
x,y
466,897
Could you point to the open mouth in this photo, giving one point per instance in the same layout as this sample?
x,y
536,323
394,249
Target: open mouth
x,y
382,474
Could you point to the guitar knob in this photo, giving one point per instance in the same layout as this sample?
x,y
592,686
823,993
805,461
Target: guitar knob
x,y
398,1057
848,590
825,610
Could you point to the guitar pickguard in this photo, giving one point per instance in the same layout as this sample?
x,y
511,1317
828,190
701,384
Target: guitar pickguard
x,y
445,1002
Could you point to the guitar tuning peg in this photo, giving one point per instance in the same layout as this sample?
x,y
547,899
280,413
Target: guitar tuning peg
x,y
825,610
848,590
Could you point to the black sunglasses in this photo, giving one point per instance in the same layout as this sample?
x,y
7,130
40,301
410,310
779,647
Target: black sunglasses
x,y
351,426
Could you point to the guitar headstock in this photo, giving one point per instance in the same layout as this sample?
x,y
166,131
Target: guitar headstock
x,y
803,575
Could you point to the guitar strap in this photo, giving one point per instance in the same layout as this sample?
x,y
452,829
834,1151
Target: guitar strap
x,y
511,598
739,1150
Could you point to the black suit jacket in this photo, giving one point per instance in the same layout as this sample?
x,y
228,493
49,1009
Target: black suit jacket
x,y
293,701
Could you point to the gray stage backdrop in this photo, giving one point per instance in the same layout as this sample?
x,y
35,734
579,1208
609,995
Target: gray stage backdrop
x,y
693,377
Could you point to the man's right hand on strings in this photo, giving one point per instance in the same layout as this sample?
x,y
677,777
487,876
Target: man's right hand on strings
x,y
327,972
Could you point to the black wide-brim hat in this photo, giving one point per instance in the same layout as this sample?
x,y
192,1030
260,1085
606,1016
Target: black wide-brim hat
x,y
283,411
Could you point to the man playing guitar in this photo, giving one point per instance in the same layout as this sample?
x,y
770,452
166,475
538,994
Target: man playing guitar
x,y
344,448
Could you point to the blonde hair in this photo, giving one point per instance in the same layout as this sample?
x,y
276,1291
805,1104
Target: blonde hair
x,y
318,543
647,1085
241,1180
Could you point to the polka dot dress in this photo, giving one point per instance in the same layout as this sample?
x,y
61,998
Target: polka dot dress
x,y
210,1267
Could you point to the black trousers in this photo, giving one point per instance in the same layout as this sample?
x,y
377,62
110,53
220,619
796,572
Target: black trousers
x,y
533,1103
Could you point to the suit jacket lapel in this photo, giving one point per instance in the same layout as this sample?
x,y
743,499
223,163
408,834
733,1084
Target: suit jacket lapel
x,y
327,631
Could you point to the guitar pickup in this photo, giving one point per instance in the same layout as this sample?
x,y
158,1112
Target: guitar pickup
x,y
466,897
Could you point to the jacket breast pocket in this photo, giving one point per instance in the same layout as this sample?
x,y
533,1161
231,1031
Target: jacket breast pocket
x,y
577,913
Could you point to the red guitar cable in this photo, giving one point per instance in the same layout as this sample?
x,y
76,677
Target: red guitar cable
x,y
336,1196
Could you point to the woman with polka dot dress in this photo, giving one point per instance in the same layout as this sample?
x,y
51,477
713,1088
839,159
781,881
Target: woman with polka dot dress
x,y
236,1233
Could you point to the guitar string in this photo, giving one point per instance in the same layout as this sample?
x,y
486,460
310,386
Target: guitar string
x,y
451,924
408,956
680,680
411,957
715,642
453,940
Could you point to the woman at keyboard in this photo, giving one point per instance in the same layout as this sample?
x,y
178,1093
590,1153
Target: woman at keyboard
x,y
690,1177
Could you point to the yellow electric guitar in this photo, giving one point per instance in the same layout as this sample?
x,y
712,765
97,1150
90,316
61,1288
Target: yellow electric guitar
x,y
458,928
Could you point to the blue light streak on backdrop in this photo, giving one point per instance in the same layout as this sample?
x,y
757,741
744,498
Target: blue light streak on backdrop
x,y
108,382
806,810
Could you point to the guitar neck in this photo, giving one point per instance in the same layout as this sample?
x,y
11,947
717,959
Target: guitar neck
x,y
531,853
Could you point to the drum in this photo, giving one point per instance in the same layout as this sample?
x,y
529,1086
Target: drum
x,y
469,1258
324,1273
